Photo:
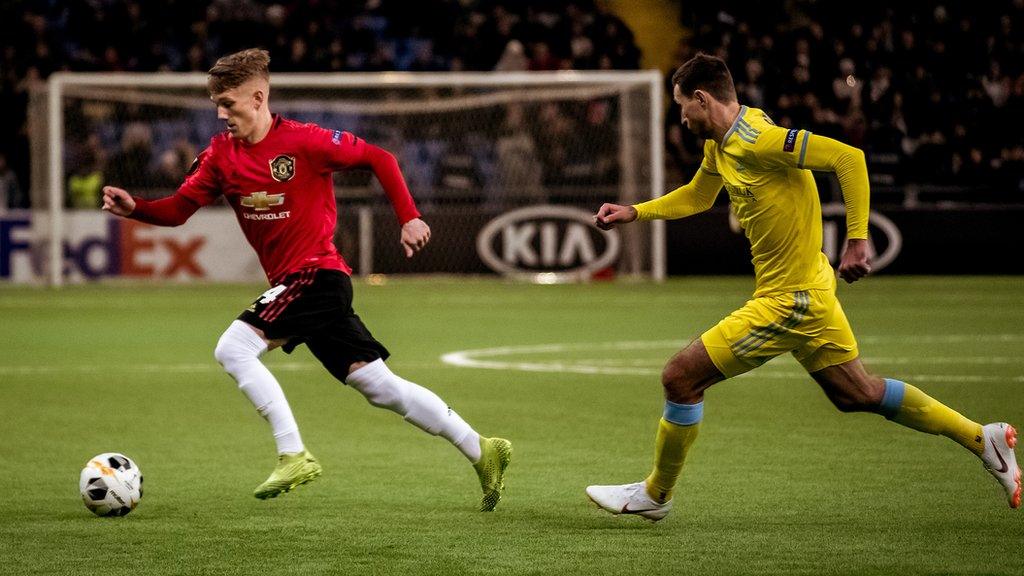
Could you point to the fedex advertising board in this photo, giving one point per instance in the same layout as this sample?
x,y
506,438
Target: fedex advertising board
x,y
97,245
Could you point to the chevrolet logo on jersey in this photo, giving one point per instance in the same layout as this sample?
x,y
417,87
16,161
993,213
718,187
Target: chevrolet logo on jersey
x,y
282,168
261,201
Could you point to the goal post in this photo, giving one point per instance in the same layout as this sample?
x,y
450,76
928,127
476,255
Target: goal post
x,y
474,147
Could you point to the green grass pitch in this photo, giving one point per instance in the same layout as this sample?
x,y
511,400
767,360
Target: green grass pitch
x,y
778,483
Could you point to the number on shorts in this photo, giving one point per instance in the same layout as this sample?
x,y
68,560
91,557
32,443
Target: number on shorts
x,y
272,294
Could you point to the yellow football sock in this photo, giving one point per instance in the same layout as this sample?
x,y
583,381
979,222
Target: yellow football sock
x,y
670,449
921,412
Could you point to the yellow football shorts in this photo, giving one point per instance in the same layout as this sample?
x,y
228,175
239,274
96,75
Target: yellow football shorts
x,y
810,324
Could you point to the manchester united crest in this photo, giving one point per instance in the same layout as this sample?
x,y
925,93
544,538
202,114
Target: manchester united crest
x,y
282,168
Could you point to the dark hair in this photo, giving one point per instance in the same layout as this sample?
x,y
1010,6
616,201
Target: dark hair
x,y
707,73
235,69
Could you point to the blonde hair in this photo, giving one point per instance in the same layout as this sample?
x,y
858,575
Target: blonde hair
x,y
235,69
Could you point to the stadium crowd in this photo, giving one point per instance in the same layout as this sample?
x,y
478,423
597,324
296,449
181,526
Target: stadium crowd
x,y
926,89
325,35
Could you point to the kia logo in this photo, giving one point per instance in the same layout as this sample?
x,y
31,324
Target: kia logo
x,y
541,240
882,235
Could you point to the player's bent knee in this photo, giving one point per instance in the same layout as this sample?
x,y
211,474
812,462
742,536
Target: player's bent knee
x,y
378,385
237,345
224,352
680,381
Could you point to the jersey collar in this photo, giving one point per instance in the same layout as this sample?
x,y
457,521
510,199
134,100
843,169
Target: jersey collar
x,y
735,124
273,126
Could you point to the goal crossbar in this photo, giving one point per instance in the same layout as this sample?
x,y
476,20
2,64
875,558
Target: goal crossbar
x,y
61,84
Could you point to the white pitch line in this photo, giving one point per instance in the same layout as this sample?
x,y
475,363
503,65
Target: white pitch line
x,y
142,368
170,368
941,339
468,357
485,358
869,360
966,379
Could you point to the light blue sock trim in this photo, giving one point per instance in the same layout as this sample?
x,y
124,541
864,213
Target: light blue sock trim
x,y
684,414
892,399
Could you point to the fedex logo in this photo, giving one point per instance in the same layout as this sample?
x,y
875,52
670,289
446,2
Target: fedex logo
x,y
116,247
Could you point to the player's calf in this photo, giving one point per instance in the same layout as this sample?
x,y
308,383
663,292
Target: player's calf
x,y
850,388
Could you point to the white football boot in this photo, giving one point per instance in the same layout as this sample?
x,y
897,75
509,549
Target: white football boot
x,y
629,499
999,459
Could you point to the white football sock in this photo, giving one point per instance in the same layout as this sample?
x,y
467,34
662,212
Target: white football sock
x,y
419,406
238,351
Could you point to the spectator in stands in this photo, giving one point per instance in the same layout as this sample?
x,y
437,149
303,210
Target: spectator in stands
x,y
554,134
458,175
581,46
173,164
750,87
520,172
898,61
543,59
129,167
85,184
997,86
513,58
846,87
591,158
782,50
10,191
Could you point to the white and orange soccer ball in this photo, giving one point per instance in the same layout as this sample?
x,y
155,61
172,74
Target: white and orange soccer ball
x,y
111,484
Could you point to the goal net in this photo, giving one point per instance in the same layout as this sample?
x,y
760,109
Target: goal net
x,y
506,169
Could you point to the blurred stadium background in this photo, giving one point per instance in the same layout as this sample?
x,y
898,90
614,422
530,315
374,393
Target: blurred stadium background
x,y
506,170
931,91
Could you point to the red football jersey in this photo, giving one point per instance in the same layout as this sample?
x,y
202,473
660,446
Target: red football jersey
x,y
282,193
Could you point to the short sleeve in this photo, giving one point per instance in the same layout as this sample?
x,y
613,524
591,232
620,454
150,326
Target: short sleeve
x,y
782,147
201,183
336,150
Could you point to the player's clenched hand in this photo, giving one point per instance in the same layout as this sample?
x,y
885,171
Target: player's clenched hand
x,y
415,235
117,201
856,262
611,214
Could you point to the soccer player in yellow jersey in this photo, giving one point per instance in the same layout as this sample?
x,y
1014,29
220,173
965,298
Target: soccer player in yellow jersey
x,y
766,171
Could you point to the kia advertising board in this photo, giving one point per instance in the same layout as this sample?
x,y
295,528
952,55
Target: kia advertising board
x,y
559,242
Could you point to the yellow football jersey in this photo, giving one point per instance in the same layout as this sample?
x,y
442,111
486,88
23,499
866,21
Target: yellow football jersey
x,y
766,171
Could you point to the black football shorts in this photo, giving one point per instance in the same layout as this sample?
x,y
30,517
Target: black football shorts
x,y
315,307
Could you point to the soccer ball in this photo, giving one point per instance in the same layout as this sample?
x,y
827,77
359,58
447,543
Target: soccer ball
x,y
111,484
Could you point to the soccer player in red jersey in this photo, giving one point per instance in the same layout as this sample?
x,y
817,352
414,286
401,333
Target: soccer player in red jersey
x,y
276,175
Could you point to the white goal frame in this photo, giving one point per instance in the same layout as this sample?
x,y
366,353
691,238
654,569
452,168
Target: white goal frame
x,y
60,81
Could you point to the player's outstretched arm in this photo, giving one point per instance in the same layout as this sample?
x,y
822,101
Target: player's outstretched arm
x,y
171,211
415,235
118,201
692,198
611,214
